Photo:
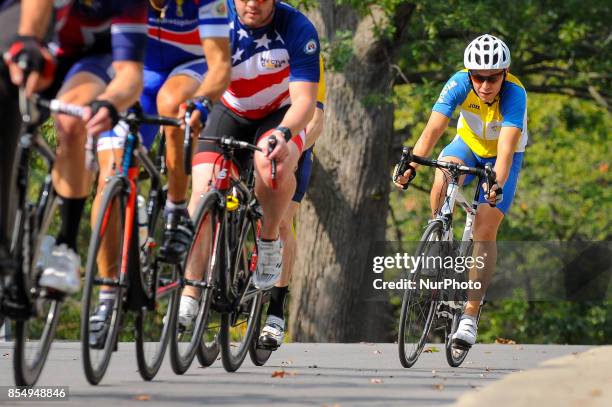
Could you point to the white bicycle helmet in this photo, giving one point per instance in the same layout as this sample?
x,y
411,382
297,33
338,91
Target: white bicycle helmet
x,y
486,52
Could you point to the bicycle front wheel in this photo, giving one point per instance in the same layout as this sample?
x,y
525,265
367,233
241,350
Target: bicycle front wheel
x,y
420,302
203,259
107,234
238,326
162,286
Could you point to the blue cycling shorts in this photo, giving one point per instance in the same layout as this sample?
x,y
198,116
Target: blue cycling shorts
x,y
302,175
458,148
153,81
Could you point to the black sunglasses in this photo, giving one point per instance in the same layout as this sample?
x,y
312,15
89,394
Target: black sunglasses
x,y
478,78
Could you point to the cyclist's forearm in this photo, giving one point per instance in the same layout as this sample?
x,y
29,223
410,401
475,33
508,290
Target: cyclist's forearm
x,y
506,144
299,114
218,77
125,88
35,17
314,128
434,129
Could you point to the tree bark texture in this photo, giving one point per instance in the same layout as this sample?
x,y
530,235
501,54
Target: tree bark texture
x,y
345,210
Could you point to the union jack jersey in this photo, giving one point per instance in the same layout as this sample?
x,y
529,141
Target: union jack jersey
x,y
174,35
101,27
266,59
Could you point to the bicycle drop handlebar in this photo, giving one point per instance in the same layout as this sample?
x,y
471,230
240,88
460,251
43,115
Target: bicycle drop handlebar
x,y
487,173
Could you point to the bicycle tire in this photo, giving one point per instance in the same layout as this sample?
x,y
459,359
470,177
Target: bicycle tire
x,y
149,320
259,356
181,361
408,358
113,193
455,356
27,369
209,352
232,360
27,374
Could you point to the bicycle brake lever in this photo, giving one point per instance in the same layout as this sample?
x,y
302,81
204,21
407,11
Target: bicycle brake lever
x,y
490,174
271,147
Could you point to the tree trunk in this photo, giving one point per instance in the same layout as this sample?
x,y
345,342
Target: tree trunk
x,y
345,210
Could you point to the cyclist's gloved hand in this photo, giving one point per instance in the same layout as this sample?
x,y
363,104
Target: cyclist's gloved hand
x,y
30,63
495,196
403,179
100,116
203,106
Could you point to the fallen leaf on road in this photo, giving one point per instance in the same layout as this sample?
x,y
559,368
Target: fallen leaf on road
x,y
487,369
377,352
142,397
6,354
282,373
439,386
433,349
596,392
504,341
313,367
288,362
433,372
278,373
482,375
376,381
488,351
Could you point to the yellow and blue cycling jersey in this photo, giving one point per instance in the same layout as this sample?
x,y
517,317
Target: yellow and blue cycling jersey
x,y
480,123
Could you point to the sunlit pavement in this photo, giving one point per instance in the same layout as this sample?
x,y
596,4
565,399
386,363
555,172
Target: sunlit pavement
x,y
297,374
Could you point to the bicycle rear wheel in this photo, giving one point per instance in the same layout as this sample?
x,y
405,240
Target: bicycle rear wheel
x,y
107,233
203,255
419,304
208,351
162,286
259,355
238,326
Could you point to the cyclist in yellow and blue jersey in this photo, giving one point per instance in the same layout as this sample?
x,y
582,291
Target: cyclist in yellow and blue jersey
x,y
492,128
273,332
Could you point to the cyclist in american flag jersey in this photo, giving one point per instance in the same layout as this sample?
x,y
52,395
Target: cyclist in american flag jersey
x,y
275,76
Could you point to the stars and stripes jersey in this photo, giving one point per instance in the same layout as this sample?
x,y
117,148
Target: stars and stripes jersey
x,y
266,59
116,27
175,34
480,123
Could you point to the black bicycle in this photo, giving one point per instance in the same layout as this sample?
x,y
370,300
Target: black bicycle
x,y
123,258
429,298
34,309
224,248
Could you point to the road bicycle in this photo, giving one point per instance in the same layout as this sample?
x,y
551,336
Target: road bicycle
x,y
225,249
143,282
34,309
430,299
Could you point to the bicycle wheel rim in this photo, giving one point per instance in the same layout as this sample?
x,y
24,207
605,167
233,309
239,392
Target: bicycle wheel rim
x,y
418,306
112,207
209,349
33,337
259,356
244,319
161,282
206,224
27,370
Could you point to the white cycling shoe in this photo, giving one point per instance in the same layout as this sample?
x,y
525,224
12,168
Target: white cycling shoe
x,y
269,264
188,310
273,333
466,332
62,270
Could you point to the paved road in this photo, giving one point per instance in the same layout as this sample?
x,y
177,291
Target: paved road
x,y
315,375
